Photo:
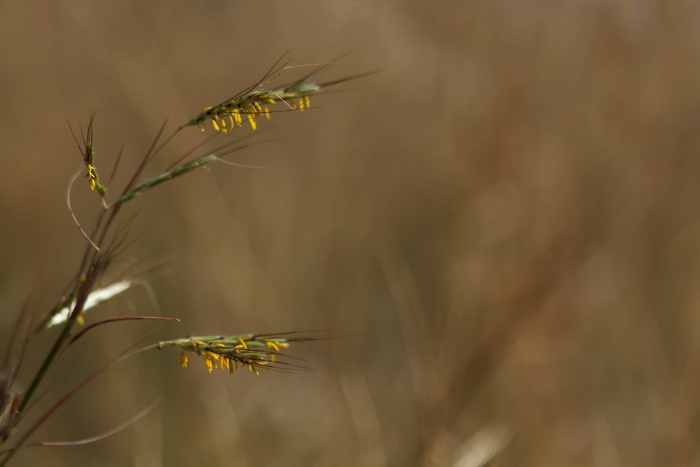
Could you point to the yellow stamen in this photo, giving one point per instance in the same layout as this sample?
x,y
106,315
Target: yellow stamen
x,y
213,123
267,113
251,119
92,176
237,117
184,360
245,346
209,359
273,346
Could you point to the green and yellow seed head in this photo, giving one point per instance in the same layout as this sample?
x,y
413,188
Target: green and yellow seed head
x,y
229,353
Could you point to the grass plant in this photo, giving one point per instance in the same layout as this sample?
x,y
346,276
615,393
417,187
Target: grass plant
x,y
68,320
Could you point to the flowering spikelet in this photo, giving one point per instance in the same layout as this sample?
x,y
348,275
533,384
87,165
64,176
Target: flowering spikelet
x,y
87,150
255,101
228,353
231,113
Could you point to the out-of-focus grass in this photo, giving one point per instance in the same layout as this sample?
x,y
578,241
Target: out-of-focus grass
x,y
505,224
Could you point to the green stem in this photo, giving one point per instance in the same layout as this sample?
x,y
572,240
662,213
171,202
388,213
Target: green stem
x,y
44,368
135,352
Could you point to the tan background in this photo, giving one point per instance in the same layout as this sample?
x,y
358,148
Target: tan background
x,y
503,228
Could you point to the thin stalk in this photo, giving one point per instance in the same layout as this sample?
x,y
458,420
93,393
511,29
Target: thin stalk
x,y
44,368
53,353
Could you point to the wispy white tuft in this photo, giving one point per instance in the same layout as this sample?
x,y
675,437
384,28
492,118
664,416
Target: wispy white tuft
x,y
95,298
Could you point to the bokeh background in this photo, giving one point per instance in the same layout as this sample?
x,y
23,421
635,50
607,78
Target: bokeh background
x,y
500,231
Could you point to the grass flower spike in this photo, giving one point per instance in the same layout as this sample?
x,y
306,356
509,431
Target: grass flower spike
x,y
229,353
256,101
249,105
87,150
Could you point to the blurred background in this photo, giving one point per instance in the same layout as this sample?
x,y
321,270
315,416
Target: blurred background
x,y
501,230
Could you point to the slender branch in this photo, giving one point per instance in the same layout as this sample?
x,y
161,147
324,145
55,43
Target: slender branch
x,y
122,318
72,214
92,439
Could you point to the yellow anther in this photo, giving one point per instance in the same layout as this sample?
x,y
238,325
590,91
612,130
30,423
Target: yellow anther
x,y
184,360
243,344
92,176
273,346
237,117
251,119
210,359
267,113
213,123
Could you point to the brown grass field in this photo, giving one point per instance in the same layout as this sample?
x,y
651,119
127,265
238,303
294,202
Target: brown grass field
x,y
499,232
